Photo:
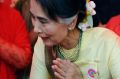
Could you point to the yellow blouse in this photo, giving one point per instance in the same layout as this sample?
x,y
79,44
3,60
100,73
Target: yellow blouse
x,y
99,56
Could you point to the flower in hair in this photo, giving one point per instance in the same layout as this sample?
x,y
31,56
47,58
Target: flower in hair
x,y
90,7
88,21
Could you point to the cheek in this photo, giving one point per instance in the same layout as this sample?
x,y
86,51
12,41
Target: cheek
x,y
58,33
50,30
61,35
56,29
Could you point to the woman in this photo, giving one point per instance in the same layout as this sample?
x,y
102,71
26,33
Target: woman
x,y
15,50
63,51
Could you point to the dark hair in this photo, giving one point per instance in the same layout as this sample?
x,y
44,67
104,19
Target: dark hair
x,y
63,8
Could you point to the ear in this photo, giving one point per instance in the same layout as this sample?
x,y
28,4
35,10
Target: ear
x,y
72,25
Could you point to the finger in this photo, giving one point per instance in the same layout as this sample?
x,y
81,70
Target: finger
x,y
57,69
67,63
60,60
58,76
59,63
64,62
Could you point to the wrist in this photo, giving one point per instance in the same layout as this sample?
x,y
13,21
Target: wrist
x,y
78,77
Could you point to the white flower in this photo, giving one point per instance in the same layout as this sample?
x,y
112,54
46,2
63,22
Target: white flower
x,y
88,23
83,26
92,4
90,7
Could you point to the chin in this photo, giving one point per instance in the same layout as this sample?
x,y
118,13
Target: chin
x,y
49,44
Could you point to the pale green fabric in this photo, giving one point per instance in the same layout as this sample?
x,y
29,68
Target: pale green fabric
x,y
100,51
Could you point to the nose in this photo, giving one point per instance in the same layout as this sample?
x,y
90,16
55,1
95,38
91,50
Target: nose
x,y
37,29
37,26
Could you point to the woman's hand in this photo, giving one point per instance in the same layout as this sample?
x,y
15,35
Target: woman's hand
x,y
64,69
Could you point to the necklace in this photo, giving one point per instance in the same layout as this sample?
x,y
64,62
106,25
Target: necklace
x,y
72,56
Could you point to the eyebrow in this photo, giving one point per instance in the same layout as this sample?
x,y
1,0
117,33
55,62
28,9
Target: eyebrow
x,y
38,17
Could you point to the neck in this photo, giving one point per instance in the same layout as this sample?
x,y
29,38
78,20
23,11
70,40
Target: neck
x,y
71,40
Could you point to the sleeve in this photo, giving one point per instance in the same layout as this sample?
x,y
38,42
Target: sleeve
x,y
38,69
21,35
17,44
114,60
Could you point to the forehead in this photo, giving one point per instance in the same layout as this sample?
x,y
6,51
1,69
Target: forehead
x,y
36,9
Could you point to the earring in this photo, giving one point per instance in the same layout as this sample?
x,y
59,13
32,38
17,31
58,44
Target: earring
x,y
69,29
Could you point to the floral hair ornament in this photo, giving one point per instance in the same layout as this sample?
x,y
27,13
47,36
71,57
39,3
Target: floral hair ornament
x,y
90,7
88,21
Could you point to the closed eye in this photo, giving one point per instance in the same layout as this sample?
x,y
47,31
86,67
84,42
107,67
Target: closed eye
x,y
43,20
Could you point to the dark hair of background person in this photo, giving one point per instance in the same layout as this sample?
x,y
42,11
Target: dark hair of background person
x,y
105,9
63,8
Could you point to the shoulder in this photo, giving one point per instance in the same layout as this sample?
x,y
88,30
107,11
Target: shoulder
x,y
98,37
12,15
8,10
101,32
114,24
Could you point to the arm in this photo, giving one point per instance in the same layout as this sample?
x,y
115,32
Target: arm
x,y
38,69
17,53
14,55
114,60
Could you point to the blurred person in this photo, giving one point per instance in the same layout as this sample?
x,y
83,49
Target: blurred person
x,y
114,24
105,9
15,50
23,7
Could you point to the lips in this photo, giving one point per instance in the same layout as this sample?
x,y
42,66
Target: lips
x,y
44,38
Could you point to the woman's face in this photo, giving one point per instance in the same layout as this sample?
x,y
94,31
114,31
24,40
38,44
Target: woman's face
x,y
50,31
